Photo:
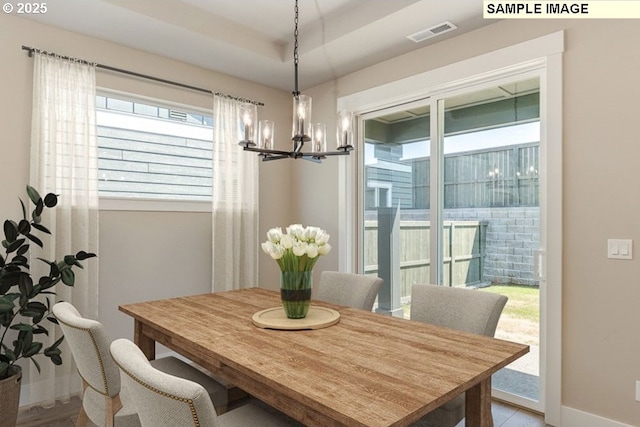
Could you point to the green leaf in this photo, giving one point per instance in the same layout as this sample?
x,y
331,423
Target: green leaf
x,y
10,231
39,208
36,306
25,284
69,259
17,347
54,271
33,349
56,359
24,227
6,305
49,351
15,245
68,277
24,209
33,194
23,249
22,327
11,356
50,200
35,362
34,239
20,260
41,228
38,330
82,255
4,368
56,344
36,310
50,284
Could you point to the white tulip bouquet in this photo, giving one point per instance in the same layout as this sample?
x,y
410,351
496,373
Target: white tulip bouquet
x,y
298,248
296,251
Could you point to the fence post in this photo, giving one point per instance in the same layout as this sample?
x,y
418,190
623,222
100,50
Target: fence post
x,y
389,261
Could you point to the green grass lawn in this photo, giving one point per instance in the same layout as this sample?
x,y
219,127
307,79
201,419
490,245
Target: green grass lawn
x,y
520,319
523,304
524,301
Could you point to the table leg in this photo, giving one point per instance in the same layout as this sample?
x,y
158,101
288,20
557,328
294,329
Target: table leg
x,y
144,342
478,405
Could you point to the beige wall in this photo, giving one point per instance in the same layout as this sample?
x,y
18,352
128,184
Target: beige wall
x,y
601,159
142,255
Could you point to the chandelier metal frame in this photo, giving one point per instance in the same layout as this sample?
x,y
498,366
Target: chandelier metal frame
x,y
300,134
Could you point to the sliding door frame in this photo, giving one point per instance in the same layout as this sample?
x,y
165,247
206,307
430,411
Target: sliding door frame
x,y
544,54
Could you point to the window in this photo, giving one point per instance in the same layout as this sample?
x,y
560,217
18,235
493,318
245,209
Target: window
x,y
148,150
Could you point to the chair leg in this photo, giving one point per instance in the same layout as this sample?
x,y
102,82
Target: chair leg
x,y
83,418
112,406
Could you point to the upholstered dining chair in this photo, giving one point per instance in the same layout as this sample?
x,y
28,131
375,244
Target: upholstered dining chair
x,y
104,401
467,310
163,400
352,290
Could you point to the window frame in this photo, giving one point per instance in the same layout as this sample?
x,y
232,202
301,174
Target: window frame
x,y
142,204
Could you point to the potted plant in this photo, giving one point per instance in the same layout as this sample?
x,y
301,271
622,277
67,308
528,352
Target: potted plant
x,y
24,301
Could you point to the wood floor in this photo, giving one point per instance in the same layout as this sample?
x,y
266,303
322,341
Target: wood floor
x,y
64,415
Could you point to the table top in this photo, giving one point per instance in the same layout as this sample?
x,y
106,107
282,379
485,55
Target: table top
x,y
367,369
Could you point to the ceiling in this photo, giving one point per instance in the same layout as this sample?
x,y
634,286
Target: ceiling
x,y
253,39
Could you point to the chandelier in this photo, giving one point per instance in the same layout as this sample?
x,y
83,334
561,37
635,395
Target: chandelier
x,y
303,130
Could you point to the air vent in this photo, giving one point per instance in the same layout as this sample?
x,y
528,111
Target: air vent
x,y
436,30
178,115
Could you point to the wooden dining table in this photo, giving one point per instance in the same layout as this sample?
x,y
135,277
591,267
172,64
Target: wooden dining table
x,y
367,369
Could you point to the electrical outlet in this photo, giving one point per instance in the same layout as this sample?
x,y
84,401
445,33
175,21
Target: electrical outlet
x,y
638,391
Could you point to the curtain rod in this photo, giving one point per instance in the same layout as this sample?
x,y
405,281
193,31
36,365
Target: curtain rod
x,y
142,76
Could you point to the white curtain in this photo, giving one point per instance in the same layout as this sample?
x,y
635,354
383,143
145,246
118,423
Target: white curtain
x,y
64,162
235,202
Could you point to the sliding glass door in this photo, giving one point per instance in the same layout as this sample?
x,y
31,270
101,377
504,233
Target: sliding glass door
x,y
451,197
491,211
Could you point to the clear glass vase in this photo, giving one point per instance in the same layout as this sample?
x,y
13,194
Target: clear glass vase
x,y
295,292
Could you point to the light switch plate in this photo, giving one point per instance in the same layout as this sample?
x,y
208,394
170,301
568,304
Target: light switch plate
x,y
620,248
638,391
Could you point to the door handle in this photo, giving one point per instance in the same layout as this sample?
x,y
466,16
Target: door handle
x,y
538,264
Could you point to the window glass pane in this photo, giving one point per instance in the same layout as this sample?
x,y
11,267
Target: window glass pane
x,y
119,105
101,101
148,157
146,110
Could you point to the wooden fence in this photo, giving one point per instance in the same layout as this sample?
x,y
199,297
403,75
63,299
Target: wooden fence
x,y
464,252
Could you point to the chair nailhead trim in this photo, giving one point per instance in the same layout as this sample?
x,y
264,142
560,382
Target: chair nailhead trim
x,y
100,360
192,408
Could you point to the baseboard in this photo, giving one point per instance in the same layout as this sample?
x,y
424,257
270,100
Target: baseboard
x,y
576,418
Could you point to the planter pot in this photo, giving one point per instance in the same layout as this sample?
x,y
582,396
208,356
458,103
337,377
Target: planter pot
x,y
10,399
295,292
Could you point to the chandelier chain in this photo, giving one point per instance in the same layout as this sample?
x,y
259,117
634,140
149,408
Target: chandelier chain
x,y
295,49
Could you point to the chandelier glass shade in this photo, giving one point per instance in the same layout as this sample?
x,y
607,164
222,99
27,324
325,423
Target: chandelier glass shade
x,y
259,136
